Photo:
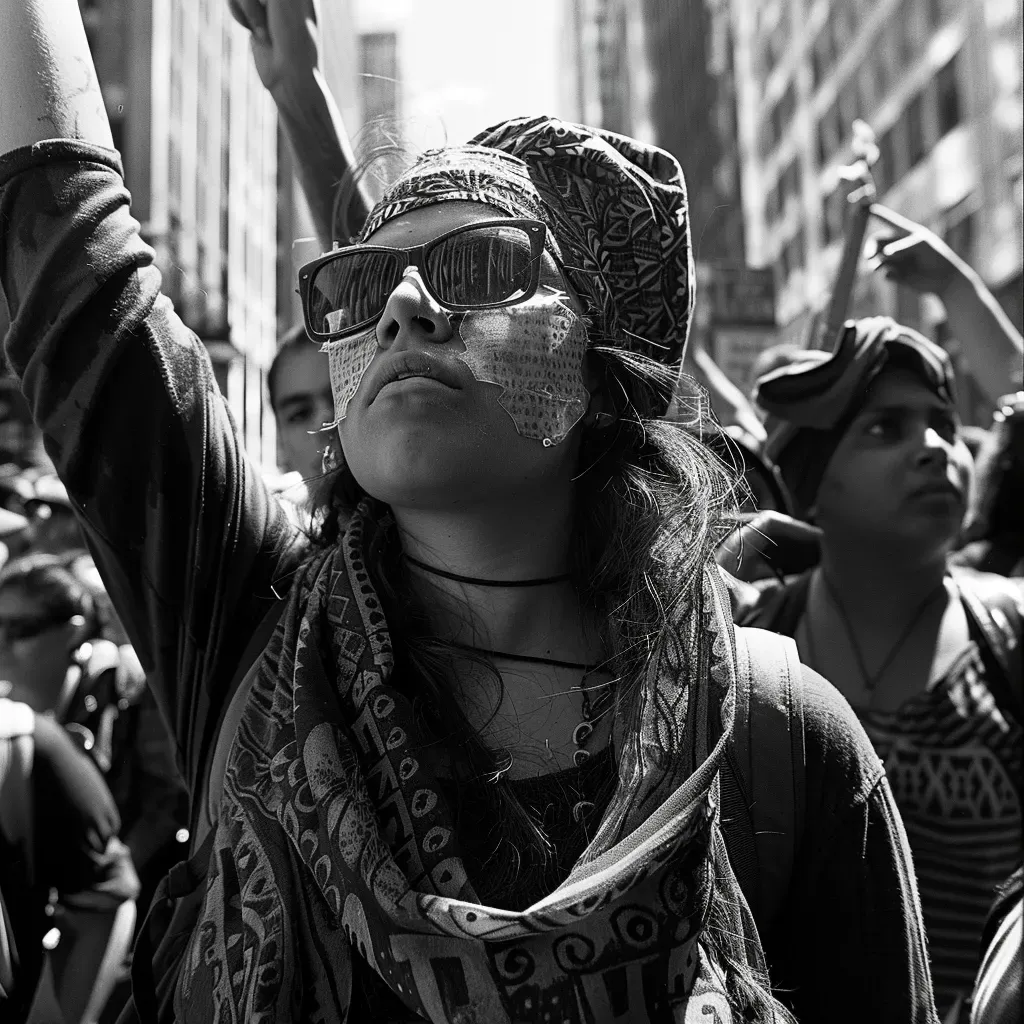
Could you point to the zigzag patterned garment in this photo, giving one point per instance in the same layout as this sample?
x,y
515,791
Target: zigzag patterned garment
x,y
334,841
954,763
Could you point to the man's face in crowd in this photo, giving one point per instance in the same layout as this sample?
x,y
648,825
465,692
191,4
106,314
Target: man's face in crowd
x,y
302,390
901,475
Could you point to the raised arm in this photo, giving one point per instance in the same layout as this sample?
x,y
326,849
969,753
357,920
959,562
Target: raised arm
x,y
186,536
919,259
286,48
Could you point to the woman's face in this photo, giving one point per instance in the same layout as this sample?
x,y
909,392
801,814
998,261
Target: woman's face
x,y
34,649
420,442
901,473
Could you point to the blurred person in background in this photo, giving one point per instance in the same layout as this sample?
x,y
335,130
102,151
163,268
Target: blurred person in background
x,y
54,528
993,540
61,866
58,663
911,255
14,531
867,440
491,623
299,389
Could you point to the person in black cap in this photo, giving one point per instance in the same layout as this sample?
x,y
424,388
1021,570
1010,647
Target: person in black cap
x,y
867,440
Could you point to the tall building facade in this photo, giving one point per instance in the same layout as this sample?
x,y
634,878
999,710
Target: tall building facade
x,y
692,108
198,135
380,109
604,71
662,71
939,82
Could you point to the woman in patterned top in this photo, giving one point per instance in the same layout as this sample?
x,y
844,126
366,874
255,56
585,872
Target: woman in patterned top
x,y
473,770
867,440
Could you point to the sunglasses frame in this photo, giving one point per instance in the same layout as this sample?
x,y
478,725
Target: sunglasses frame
x,y
41,626
416,256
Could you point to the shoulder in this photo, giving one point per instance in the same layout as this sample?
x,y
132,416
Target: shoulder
x,y
67,782
835,742
773,702
769,603
993,590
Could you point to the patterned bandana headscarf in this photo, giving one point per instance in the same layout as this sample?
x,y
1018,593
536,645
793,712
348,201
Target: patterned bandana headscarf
x,y
617,210
812,401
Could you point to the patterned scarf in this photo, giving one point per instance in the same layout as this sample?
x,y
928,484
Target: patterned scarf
x,y
334,840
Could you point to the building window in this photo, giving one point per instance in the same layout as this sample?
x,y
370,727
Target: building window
x,y
832,216
849,108
866,81
916,148
960,236
948,97
823,55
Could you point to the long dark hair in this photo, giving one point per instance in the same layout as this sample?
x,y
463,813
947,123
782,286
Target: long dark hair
x,y
652,502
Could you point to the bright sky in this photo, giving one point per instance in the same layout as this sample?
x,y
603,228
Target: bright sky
x,y
467,64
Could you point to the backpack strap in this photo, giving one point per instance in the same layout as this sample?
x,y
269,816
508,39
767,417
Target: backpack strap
x,y
763,781
995,610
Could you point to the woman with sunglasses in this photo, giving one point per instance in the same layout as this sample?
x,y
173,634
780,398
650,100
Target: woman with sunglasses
x,y
473,728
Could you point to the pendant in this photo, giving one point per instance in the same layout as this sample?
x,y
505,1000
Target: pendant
x,y
581,733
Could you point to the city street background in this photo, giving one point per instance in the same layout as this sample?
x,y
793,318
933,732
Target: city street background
x,y
756,98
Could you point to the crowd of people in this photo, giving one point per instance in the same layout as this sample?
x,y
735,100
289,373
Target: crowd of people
x,y
528,693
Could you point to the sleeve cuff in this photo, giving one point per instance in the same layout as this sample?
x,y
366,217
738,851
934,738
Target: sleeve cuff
x,y
51,151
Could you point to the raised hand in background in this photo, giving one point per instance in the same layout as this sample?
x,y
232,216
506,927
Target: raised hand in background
x,y
917,258
286,48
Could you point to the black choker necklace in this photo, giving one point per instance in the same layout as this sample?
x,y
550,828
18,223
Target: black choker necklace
x,y
543,581
528,658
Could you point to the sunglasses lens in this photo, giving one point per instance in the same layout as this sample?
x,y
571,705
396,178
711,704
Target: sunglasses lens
x,y
26,629
352,290
483,266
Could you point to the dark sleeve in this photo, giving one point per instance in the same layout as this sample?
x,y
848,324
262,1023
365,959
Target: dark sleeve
x,y
849,944
186,536
77,851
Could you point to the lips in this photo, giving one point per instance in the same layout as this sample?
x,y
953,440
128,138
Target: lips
x,y
938,488
406,365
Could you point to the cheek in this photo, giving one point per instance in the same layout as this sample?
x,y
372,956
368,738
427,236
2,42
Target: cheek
x,y
965,468
856,484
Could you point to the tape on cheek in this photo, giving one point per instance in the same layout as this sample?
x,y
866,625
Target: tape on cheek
x,y
349,360
534,351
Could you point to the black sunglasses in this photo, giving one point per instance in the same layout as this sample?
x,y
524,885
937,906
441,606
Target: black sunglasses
x,y
27,629
478,266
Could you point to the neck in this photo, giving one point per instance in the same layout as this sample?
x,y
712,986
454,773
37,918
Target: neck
x,y
510,541
879,583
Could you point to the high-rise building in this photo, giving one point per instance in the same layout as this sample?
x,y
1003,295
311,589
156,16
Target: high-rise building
x,y
380,98
198,135
939,82
692,108
661,71
604,69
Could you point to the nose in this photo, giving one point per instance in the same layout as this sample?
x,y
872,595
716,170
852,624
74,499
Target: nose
x,y
935,449
411,314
